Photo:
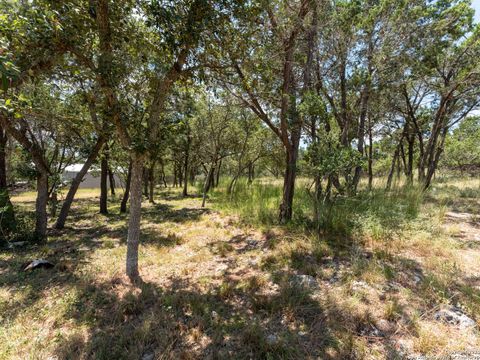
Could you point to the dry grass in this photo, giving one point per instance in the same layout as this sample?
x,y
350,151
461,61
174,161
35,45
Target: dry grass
x,y
217,285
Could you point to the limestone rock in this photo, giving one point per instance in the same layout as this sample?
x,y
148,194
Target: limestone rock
x,y
454,316
38,263
304,281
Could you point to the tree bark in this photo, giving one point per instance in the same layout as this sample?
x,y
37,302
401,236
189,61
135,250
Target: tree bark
x,y
103,185
411,144
7,221
251,174
392,168
370,156
286,207
111,180
206,185
133,237
62,217
3,162
41,205
185,167
164,177
123,205
151,180
434,159
217,177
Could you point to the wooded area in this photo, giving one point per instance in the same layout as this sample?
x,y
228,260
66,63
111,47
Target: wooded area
x,y
335,142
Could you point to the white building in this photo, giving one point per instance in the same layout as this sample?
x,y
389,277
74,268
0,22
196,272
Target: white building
x,y
91,180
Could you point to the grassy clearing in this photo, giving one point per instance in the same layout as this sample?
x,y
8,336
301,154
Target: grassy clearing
x,y
218,281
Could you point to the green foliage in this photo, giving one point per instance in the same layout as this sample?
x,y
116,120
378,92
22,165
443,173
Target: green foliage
x,y
462,148
8,224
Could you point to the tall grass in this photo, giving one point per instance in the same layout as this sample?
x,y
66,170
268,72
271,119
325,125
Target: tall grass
x,y
373,214
256,203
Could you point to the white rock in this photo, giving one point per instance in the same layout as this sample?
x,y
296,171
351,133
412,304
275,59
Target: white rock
x,y
454,316
304,281
359,285
271,339
38,263
148,356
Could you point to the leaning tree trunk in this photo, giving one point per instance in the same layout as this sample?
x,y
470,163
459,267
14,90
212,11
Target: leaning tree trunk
x,y
206,185
434,159
133,237
103,186
286,207
62,217
41,205
392,168
123,205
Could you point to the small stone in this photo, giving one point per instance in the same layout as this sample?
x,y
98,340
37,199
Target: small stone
x,y
148,355
253,262
416,357
221,268
304,281
359,285
17,244
38,263
384,326
454,316
404,347
214,315
271,339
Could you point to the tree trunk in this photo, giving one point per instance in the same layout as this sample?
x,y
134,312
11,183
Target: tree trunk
x,y
361,137
392,169
185,168
151,179
7,221
210,179
123,205
217,178
133,237
251,173
411,144
3,162
175,183
103,185
232,184
164,177
62,217
370,156
207,183
145,177
286,207
41,205
111,180
434,159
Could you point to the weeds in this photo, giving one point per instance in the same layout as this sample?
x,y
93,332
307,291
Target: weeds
x,y
378,257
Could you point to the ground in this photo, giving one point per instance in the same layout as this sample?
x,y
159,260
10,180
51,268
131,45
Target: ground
x,y
218,286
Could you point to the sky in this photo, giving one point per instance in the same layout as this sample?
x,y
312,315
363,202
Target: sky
x,y
476,6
